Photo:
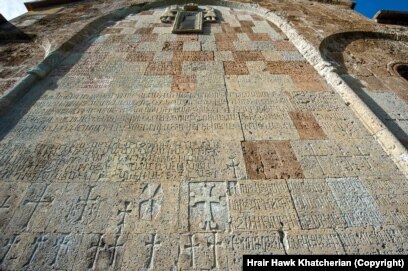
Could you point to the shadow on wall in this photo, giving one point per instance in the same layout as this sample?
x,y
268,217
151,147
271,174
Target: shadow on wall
x,y
17,105
75,48
333,50
9,33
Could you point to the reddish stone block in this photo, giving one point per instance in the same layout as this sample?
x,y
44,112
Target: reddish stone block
x,y
225,45
271,160
284,46
6,84
308,81
258,36
193,56
140,57
290,68
307,126
161,68
184,84
246,23
173,46
115,38
226,28
311,85
128,47
225,37
235,68
247,29
149,37
248,56
144,30
177,67
187,37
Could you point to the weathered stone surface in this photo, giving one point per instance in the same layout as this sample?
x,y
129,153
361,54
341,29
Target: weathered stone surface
x,y
313,242
357,206
371,240
261,205
307,126
147,150
315,204
270,160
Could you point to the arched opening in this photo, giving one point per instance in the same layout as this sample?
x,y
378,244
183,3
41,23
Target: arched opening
x,y
402,70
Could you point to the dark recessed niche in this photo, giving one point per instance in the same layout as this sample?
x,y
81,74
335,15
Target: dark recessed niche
x,y
402,69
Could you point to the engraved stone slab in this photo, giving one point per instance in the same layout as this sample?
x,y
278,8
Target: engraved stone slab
x,y
173,161
102,251
318,242
239,243
85,207
267,126
356,205
153,250
270,160
390,194
341,125
261,83
145,205
184,83
42,251
208,206
372,240
315,204
253,101
307,126
10,197
32,213
235,68
261,205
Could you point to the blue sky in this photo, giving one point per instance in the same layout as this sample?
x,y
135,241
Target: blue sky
x,y
12,8
369,7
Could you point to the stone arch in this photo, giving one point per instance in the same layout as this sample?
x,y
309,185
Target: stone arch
x,y
367,61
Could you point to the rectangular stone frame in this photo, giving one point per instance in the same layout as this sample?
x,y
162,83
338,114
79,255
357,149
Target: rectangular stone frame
x,y
198,22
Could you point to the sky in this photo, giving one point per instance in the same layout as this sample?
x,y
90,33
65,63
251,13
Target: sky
x,y
13,8
370,7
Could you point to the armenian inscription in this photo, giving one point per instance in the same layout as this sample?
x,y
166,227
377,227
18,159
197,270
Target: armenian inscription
x,y
151,150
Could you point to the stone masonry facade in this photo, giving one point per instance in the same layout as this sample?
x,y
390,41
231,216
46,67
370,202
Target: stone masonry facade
x,y
147,150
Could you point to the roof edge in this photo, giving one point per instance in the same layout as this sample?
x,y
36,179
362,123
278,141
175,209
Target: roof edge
x,y
33,5
391,17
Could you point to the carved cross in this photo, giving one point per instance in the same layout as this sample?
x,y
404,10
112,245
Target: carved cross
x,y
6,248
37,202
5,205
122,216
77,209
150,202
234,166
38,243
206,198
191,246
61,245
153,246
